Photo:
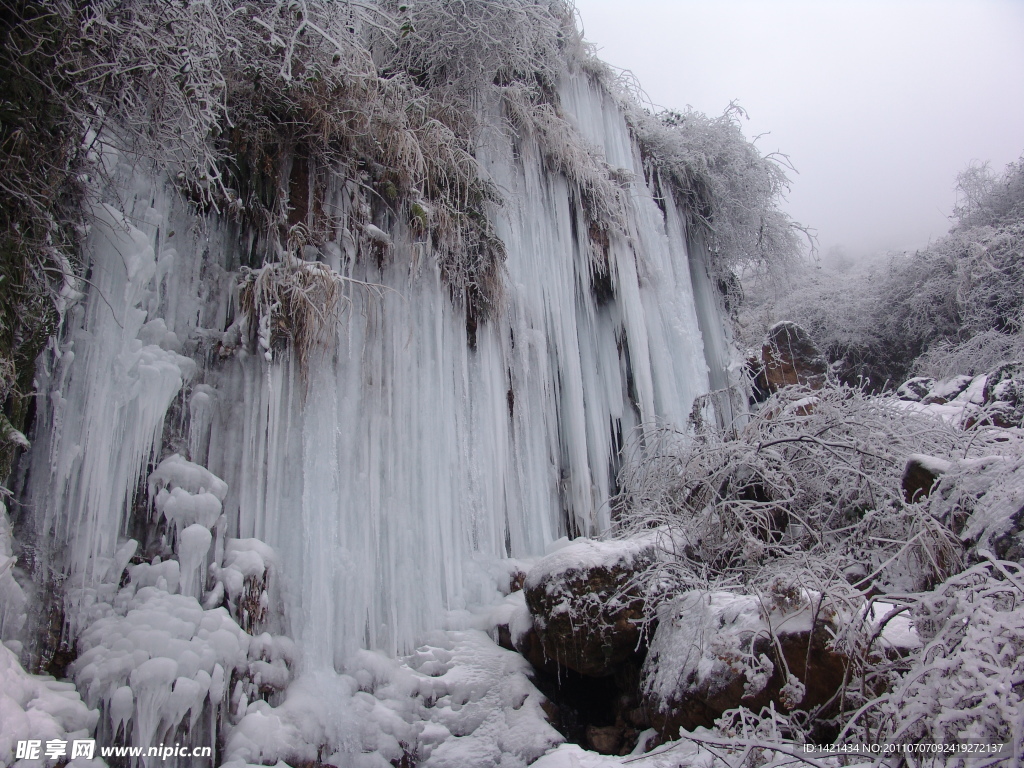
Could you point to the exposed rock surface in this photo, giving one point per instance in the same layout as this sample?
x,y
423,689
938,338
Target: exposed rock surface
x,y
602,713
608,739
585,608
921,474
788,357
529,646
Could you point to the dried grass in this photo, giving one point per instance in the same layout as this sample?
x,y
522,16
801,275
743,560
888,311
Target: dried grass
x,y
295,304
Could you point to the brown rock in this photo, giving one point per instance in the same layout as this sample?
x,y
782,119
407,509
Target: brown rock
x,y
504,638
920,475
530,648
551,713
586,612
606,740
789,357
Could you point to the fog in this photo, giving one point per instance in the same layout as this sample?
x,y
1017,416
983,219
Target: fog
x,y
878,103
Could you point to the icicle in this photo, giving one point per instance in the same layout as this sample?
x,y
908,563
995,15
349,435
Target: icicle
x,y
120,709
193,544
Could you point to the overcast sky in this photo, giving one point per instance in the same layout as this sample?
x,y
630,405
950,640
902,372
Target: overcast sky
x,y
879,103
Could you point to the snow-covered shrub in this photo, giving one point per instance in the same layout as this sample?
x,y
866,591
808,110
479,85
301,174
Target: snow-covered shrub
x,y
807,496
965,684
988,199
976,355
731,191
810,486
41,155
532,112
249,105
955,307
252,107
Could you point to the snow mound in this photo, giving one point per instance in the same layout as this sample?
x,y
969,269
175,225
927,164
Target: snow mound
x,y
327,717
245,578
893,625
458,701
178,472
482,707
587,554
681,753
37,707
711,634
513,613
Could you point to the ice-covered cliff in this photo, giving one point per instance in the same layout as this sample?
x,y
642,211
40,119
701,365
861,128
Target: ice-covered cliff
x,y
312,393
408,450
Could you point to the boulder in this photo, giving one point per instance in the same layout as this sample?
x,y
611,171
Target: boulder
x,y
515,631
920,475
993,489
946,390
754,371
715,651
586,605
915,389
1004,394
610,739
529,646
788,357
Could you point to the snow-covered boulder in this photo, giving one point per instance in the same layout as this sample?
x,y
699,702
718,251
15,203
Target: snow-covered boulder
x,y
915,389
1004,394
947,390
715,651
585,607
982,500
37,707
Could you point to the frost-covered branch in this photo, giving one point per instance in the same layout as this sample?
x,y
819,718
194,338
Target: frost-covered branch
x,y
730,190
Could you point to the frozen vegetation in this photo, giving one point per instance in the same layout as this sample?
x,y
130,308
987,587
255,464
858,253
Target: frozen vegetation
x,y
949,309
370,398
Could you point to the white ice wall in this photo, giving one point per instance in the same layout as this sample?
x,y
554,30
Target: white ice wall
x,y
388,474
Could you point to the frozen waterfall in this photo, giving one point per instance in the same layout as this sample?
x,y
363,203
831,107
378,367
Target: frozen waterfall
x,y
412,451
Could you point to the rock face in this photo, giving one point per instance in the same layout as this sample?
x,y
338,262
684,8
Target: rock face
x,y
585,610
788,357
607,740
717,651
